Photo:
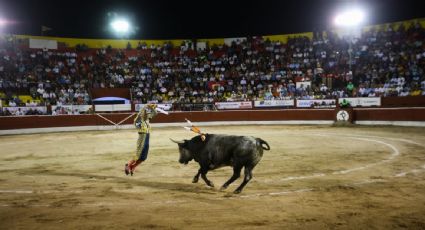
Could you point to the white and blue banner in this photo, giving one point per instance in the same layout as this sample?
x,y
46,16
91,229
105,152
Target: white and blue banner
x,y
274,103
362,101
166,107
316,103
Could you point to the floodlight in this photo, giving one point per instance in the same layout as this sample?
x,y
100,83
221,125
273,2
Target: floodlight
x,y
350,18
3,22
120,26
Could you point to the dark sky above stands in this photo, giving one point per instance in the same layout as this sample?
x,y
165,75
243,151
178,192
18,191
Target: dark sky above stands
x,y
160,19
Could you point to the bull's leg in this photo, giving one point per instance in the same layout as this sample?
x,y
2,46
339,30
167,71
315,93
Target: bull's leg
x,y
204,172
236,175
246,179
196,177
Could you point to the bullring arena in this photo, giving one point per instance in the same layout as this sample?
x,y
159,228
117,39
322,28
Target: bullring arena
x,y
314,177
343,111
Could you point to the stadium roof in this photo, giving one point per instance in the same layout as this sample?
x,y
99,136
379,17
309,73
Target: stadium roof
x,y
161,19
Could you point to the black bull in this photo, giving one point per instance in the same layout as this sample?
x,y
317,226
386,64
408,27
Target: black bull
x,y
223,150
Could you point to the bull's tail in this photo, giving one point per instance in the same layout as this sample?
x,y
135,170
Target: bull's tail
x,y
262,142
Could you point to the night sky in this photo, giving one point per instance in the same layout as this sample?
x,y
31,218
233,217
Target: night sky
x,y
160,19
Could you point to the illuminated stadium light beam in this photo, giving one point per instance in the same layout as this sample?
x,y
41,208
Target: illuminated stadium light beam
x,y
3,22
3,25
350,18
120,26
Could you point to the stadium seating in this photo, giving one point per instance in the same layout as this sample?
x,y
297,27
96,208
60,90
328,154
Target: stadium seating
x,y
386,62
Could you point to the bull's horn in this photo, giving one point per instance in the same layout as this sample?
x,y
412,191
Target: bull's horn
x,y
178,142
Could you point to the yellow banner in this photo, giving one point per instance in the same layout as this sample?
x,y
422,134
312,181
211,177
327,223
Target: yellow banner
x,y
121,44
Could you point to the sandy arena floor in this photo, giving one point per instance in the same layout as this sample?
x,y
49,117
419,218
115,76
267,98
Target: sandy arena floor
x,y
315,177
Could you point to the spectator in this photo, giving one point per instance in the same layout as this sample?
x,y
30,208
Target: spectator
x,y
385,63
350,88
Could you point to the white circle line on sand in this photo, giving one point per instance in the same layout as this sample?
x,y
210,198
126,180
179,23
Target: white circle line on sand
x,y
369,136
401,174
412,171
280,193
363,182
395,153
100,204
16,191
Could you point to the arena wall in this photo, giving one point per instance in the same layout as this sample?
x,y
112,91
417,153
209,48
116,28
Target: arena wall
x,y
408,101
412,116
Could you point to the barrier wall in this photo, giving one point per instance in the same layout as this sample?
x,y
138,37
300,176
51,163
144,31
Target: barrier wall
x,y
311,115
390,114
411,101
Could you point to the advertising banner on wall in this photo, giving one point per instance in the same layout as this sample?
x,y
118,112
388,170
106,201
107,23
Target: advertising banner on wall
x,y
43,44
274,103
362,101
316,103
112,108
228,41
79,108
234,105
201,45
166,107
303,84
24,110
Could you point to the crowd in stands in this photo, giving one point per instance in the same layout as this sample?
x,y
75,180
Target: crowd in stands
x,y
386,62
8,111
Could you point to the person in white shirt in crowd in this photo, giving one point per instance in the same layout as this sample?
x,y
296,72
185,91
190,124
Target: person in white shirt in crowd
x,y
315,57
12,103
19,112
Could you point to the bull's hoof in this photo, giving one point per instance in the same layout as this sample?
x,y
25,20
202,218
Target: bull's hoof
x,y
211,184
223,188
237,191
195,180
